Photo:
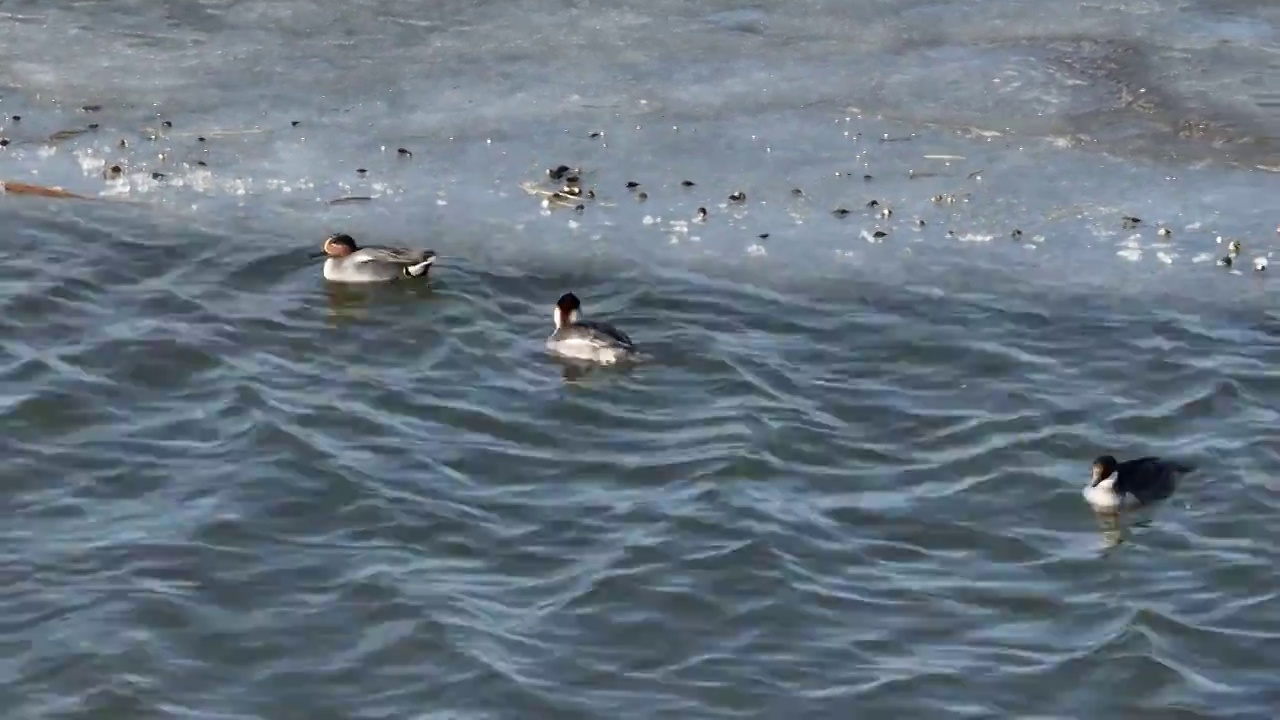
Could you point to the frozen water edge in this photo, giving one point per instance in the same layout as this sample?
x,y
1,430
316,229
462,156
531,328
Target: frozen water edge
x,y
979,187
971,190
495,110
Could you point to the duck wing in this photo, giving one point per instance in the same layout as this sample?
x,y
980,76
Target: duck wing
x,y
398,256
1152,464
1143,464
603,333
1150,478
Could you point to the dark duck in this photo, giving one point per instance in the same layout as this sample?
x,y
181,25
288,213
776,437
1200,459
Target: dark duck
x,y
1146,480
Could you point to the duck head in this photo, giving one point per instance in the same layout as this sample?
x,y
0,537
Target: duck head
x,y
566,310
1103,468
339,245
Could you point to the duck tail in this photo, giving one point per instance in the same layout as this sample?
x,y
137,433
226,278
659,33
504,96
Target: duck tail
x,y
1183,467
419,269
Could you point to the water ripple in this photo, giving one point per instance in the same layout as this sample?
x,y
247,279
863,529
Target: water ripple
x,y
840,487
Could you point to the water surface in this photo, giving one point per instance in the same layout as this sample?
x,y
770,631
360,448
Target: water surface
x,y
847,484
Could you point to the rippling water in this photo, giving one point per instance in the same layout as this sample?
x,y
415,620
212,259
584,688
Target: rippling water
x,y
847,483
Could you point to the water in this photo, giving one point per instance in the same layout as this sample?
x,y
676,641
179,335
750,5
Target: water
x,y
848,484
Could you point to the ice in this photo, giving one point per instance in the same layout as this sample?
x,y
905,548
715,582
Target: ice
x,y
1054,119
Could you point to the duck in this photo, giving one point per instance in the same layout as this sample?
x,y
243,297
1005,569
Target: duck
x,y
348,262
1147,479
584,339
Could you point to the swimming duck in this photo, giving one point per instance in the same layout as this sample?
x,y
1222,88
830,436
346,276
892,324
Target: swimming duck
x,y
350,263
1147,479
586,340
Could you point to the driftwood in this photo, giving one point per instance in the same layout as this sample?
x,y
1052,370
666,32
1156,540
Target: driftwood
x,y
9,187
350,199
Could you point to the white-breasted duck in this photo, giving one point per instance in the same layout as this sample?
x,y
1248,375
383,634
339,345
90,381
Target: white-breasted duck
x,y
579,339
1146,480
348,262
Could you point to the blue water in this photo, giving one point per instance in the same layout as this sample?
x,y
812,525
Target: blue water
x,y
848,481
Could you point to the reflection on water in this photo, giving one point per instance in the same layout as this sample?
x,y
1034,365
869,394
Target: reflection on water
x,y
573,371
1112,525
1117,524
354,302
347,302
